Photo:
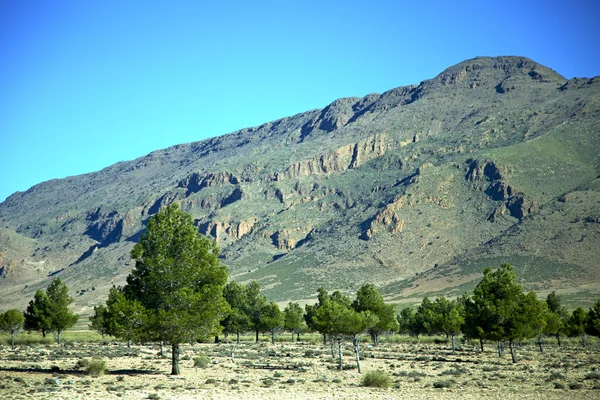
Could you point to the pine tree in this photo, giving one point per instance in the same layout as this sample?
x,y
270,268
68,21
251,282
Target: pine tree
x,y
369,299
294,319
447,318
271,319
237,321
59,316
37,314
178,280
11,322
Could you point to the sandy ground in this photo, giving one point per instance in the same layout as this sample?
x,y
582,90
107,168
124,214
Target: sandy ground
x,y
297,371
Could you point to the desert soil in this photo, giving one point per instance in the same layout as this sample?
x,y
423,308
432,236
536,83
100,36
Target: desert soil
x,y
298,371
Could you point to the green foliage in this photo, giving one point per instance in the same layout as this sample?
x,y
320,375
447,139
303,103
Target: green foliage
x,y
98,320
36,315
294,318
11,322
255,305
271,319
377,378
499,310
178,281
238,319
122,317
407,323
447,317
49,312
424,318
578,324
368,299
593,320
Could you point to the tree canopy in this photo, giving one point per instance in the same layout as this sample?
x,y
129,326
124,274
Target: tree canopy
x,y
178,281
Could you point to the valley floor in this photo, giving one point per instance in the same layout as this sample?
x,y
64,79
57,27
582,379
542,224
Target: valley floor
x,y
298,371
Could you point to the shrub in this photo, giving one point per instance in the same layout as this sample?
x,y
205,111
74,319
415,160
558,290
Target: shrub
x,y
201,361
593,375
377,378
556,376
442,384
96,367
575,386
559,385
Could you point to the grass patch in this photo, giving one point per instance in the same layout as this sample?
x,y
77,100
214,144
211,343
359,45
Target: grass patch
x,y
96,367
377,378
201,361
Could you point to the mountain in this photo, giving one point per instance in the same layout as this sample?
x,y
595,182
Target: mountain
x,y
416,189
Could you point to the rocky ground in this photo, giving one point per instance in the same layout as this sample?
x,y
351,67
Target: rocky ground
x,y
304,370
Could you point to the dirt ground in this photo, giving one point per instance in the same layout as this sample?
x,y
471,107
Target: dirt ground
x,y
298,371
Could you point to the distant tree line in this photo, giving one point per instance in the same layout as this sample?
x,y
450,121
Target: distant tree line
x,y
178,293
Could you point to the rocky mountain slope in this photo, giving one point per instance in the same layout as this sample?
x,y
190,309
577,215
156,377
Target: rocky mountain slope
x,y
416,189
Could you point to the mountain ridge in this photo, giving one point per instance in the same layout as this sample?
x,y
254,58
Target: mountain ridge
x,y
334,187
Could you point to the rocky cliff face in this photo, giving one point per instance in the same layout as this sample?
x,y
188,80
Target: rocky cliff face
x,y
454,172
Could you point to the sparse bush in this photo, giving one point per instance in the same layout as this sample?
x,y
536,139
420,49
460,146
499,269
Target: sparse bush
x,y
96,367
442,384
210,381
559,385
593,375
377,378
454,371
575,386
154,396
556,376
201,361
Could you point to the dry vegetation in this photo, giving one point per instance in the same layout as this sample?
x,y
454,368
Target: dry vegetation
x,y
302,370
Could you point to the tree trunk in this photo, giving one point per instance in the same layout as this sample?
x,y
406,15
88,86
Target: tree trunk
x,y
175,360
256,336
216,338
375,339
128,343
453,344
273,337
356,343
238,338
481,344
558,338
339,340
331,342
44,333
292,337
12,341
541,344
58,334
583,338
500,349
324,339
513,352
162,349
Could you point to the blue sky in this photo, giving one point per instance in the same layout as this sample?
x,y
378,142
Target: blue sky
x,y
85,84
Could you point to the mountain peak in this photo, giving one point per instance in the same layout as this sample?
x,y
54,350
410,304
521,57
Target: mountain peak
x,y
501,67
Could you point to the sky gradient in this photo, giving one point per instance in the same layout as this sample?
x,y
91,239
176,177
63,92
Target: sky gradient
x,y
85,84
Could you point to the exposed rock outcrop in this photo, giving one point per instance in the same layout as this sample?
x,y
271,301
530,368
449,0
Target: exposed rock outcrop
x,y
199,180
233,229
341,159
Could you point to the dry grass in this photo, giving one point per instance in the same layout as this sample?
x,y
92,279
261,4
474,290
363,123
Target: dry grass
x,y
300,370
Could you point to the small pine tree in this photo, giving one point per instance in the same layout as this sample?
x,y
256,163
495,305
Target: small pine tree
x,y
11,322
294,319
60,317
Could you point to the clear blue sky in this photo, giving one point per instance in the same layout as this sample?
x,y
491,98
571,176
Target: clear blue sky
x,y
87,83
